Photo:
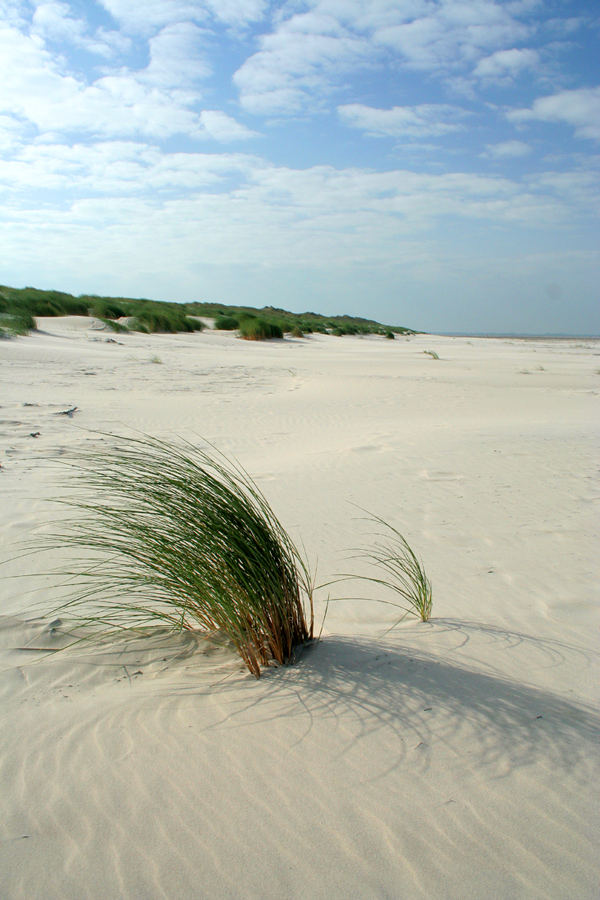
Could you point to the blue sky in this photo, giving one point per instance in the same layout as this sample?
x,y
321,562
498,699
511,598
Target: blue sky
x,y
432,163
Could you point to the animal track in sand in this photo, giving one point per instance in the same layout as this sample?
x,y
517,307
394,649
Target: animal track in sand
x,y
440,476
368,448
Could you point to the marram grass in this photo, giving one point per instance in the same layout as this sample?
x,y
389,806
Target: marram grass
x,y
179,535
400,570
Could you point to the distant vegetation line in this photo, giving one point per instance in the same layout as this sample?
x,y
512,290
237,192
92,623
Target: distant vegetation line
x,y
20,306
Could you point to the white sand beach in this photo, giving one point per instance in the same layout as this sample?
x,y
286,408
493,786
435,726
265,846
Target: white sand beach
x,y
453,759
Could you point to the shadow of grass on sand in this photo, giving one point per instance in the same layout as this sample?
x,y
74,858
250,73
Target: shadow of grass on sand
x,y
363,689
421,701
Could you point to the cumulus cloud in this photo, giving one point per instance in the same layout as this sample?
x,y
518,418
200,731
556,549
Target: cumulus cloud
x,y
158,101
424,120
176,56
11,132
578,189
505,65
307,53
147,17
507,149
221,127
12,12
352,204
52,21
296,63
578,108
451,33
115,168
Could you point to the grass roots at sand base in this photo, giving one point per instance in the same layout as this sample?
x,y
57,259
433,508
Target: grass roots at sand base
x,y
180,535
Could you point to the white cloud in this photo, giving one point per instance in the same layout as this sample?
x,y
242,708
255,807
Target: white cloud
x,y
176,56
115,168
296,63
150,101
507,149
11,132
566,26
452,33
579,108
424,120
53,22
308,53
108,43
11,12
580,189
147,17
238,12
505,65
222,127
351,205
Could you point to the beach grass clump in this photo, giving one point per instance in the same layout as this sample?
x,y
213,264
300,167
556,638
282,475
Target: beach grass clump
x,y
107,309
226,323
178,535
166,318
113,325
432,354
400,570
16,324
256,328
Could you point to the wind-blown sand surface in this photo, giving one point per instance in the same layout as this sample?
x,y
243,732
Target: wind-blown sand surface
x,y
453,759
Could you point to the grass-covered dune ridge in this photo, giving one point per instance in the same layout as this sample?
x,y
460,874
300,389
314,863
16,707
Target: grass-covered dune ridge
x,y
174,534
19,306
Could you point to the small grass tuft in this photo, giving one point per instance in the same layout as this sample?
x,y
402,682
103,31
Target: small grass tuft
x,y
402,572
178,535
431,353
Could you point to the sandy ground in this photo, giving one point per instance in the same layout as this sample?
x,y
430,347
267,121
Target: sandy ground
x,y
456,759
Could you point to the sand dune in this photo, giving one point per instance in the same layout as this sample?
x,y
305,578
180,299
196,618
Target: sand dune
x,y
457,758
